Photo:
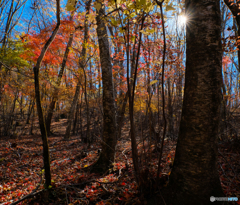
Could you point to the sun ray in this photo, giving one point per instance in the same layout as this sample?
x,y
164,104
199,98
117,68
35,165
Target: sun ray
x,y
182,20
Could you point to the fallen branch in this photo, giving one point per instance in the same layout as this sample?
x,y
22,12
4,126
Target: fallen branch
x,y
26,197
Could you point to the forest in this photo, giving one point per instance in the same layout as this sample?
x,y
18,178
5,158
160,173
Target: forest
x,y
119,102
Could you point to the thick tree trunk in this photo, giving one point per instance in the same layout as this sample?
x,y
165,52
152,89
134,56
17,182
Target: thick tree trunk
x,y
194,176
109,127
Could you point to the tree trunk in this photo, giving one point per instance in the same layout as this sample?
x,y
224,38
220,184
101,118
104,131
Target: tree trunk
x,y
31,127
30,108
46,156
170,131
121,112
80,117
87,108
194,178
109,123
75,119
56,89
9,119
82,63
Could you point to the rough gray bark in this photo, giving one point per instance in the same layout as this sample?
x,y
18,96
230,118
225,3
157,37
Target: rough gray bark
x,y
109,123
194,178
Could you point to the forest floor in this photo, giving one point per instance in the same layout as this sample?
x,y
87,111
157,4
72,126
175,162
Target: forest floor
x,y
21,170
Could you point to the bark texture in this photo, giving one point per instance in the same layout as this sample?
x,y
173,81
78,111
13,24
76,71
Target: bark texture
x,y
195,177
109,127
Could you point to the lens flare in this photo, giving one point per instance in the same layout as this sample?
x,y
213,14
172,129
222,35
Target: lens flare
x,y
182,20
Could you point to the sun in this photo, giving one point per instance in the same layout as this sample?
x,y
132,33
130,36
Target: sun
x,y
182,20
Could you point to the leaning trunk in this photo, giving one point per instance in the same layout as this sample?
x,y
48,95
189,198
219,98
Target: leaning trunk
x,y
46,156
